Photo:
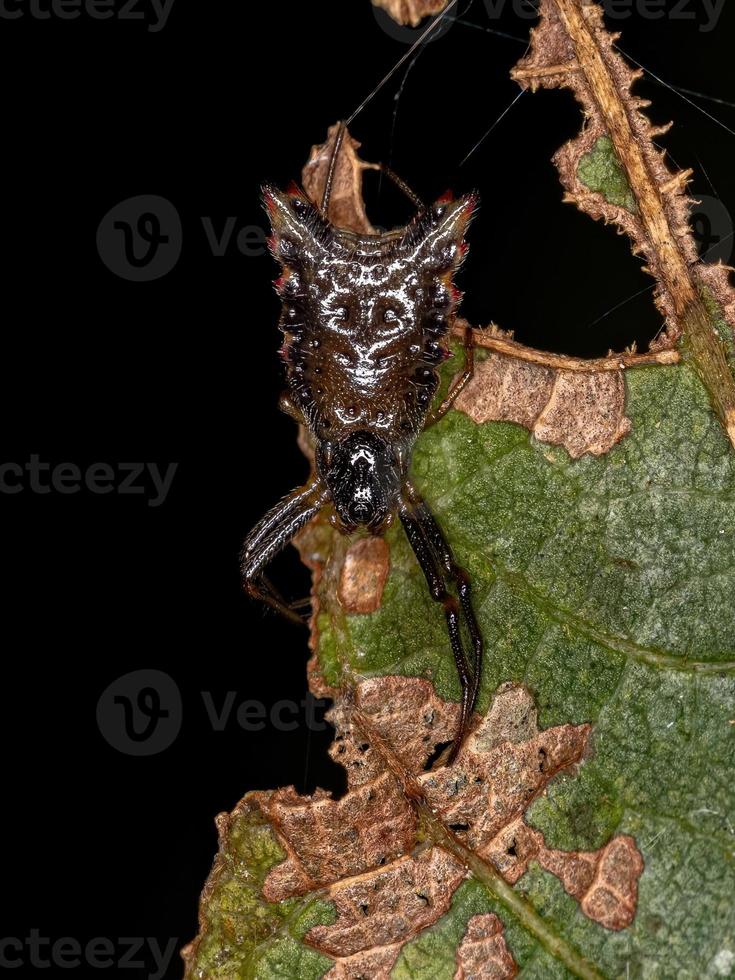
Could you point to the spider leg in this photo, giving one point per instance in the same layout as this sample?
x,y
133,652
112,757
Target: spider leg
x,y
401,185
381,167
461,579
332,168
438,565
277,601
461,382
270,536
304,603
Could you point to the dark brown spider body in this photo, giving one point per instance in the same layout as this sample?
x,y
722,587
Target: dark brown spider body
x,y
365,321
364,318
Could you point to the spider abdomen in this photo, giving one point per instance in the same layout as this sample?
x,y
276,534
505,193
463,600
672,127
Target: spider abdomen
x,y
365,317
356,382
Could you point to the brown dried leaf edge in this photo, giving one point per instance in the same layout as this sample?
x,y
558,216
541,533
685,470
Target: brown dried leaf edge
x,y
570,48
411,12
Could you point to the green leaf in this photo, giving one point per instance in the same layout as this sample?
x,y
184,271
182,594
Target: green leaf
x,y
605,586
241,935
601,171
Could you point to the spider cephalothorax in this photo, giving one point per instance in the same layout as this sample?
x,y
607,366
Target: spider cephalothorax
x,y
365,321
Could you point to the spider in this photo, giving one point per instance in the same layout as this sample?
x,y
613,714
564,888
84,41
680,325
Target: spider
x,y
365,318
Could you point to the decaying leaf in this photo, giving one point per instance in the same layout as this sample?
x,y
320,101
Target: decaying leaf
x,y
614,171
346,205
387,908
582,411
364,574
483,953
411,12
374,860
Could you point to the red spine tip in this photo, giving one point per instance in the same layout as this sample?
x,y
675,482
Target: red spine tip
x,y
471,202
294,190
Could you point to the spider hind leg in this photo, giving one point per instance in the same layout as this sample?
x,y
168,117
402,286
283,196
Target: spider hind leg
x,y
269,537
468,342
439,567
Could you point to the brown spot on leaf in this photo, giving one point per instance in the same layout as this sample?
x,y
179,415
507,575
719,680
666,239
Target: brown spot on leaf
x,y
411,11
504,765
391,853
604,882
346,205
483,954
612,898
390,906
512,717
364,574
489,788
413,732
368,964
327,840
584,412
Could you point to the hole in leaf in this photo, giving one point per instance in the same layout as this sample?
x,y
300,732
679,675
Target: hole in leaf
x,y
589,293
436,755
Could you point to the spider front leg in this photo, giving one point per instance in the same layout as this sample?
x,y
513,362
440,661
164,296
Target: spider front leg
x,y
468,342
270,536
437,563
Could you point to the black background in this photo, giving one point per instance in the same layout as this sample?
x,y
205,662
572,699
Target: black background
x,y
184,369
